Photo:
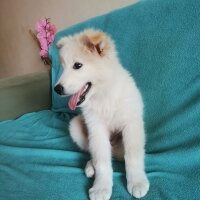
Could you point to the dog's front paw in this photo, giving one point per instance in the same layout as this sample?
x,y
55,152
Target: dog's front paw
x,y
100,193
89,169
138,188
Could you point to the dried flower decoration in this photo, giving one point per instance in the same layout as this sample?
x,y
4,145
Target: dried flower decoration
x,y
45,33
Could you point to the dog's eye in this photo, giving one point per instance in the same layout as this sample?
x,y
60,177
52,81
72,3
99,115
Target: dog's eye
x,y
77,65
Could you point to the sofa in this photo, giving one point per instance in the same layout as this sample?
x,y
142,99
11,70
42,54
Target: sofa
x,y
158,42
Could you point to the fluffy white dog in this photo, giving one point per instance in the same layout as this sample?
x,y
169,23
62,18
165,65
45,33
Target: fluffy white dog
x,y
112,110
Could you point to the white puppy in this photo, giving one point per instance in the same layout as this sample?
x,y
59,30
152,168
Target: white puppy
x,y
112,110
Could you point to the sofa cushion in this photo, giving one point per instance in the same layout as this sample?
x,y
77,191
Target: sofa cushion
x,y
22,94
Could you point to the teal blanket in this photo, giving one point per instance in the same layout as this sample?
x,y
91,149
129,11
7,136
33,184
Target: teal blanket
x,y
159,43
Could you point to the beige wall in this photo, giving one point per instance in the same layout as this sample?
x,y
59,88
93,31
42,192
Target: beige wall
x,y
18,52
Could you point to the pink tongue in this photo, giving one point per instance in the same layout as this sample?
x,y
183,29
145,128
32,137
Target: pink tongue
x,y
74,99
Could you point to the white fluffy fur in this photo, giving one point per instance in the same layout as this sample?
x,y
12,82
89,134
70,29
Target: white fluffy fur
x,y
113,104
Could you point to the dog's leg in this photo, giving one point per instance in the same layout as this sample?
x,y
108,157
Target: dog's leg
x,y
134,140
78,132
100,149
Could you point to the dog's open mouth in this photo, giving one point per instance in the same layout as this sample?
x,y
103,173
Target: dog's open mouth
x,y
79,97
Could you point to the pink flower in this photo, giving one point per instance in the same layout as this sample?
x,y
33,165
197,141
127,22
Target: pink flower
x,y
43,53
44,44
45,33
41,34
40,25
52,28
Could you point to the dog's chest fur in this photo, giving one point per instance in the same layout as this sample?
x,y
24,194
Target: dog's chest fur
x,y
108,110
116,105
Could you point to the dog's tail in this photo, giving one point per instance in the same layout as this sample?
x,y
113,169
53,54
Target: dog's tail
x,y
78,132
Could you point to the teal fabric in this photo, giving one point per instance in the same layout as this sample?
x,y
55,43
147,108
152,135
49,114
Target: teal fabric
x,y
39,161
159,43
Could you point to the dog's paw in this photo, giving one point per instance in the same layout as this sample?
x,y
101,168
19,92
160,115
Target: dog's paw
x,y
100,193
89,169
138,188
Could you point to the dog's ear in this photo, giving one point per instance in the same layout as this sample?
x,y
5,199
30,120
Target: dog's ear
x,y
95,41
61,42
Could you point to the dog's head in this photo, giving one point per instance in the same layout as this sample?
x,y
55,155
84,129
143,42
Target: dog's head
x,y
86,59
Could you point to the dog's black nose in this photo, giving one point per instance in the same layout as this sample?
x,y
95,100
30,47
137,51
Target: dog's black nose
x,y
59,89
